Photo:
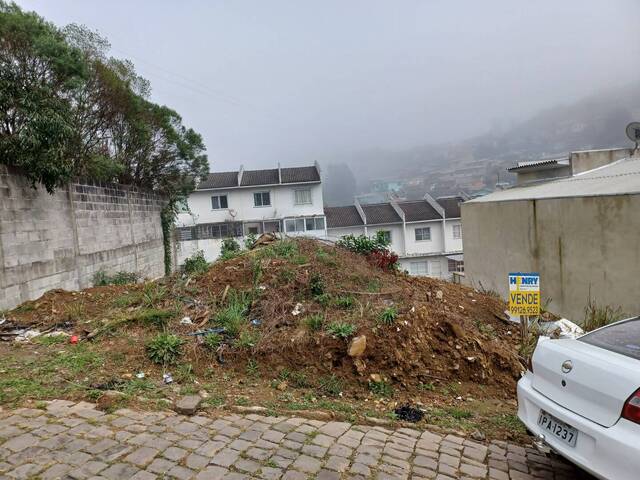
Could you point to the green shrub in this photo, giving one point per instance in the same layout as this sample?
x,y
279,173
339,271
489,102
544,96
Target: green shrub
x,y
341,329
315,321
250,241
212,341
230,248
164,349
299,379
152,293
324,299
102,278
330,385
362,244
247,339
344,301
381,389
233,316
316,284
388,315
196,264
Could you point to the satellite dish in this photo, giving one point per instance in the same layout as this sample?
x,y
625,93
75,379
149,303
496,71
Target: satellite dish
x,y
633,132
233,213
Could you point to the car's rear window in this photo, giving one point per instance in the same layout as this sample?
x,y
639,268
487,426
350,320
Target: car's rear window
x,y
623,338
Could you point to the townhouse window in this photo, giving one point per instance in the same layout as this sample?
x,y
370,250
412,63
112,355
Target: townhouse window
x,y
457,231
418,268
455,265
294,225
423,233
219,201
303,196
262,199
386,235
315,223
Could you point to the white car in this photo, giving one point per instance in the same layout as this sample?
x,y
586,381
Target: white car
x,y
581,397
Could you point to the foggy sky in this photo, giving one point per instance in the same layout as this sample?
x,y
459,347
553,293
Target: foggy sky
x,y
268,81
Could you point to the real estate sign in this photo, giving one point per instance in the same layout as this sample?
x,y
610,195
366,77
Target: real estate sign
x,y
524,293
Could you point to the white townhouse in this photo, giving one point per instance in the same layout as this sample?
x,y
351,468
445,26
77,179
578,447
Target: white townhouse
x,y
426,234
236,204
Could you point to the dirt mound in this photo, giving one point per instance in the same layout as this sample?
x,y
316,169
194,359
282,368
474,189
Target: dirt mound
x,y
297,305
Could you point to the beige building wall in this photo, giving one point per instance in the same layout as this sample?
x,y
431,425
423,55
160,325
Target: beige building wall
x,y
581,246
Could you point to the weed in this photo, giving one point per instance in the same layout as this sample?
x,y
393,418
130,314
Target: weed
x,y
184,373
252,368
214,401
233,316
324,257
212,341
391,415
153,316
250,241
509,421
127,300
314,322
299,260
330,385
459,413
78,360
341,329
373,285
596,316
242,401
486,329
230,248
286,275
426,387
102,278
324,300
51,339
284,248
74,312
196,264
256,271
24,308
381,389
299,379
316,284
164,349
388,315
344,301
246,339
152,293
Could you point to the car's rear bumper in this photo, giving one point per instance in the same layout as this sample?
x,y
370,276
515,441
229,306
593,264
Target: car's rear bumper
x,y
609,453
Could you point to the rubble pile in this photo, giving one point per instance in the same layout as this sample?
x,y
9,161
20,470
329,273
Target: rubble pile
x,y
302,304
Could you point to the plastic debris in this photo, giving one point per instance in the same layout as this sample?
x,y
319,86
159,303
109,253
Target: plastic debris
x,y
186,321
297,310
26,335
167,378
208,330
140,375
409,413
57,333
256,322
73,339
562,328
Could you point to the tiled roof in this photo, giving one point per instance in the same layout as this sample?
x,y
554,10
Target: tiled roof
x,y
451,206
420,210
220,180
261,177
380,213
342,216
300,174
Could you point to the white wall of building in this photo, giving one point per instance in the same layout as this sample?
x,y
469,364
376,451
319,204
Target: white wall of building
x,y
428,266
241,203
453,244
417,247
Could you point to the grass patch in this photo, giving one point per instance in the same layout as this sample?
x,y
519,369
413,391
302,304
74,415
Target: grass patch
x,y
344,301
388,316
51,339
314,322
234,316
127,300
253,370
330,385
212,341
341,329
152,294
373,285
316,284
153,316
247,339
325,258
324,300
164,349
102,278
381,389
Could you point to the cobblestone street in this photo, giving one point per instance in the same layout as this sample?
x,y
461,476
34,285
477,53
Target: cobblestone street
x,y
76,441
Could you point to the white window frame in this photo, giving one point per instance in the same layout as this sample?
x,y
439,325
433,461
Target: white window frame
x,y
296,222
262,204
390,235
457,228
219,197
423,264
306,191
421,230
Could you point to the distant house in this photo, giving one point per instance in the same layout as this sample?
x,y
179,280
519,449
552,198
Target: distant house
x,y
240,203
426,234
580,232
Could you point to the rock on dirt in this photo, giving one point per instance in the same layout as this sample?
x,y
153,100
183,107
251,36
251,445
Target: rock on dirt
x,y
188,405
358,346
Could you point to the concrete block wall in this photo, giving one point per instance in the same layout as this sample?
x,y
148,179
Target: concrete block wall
x,y
62,240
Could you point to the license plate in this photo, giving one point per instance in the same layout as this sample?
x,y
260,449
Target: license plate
x,y
558,429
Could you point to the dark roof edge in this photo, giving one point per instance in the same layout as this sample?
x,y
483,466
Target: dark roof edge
x,y
258,186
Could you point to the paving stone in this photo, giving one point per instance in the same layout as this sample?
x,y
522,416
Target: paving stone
x,y
175,453
143,475
339,464
196,461
212,473
118,471
270,473
307,464
225,457
293,475
247,465
161,465
181,473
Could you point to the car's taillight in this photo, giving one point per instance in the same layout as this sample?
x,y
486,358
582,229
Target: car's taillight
x,y
631,409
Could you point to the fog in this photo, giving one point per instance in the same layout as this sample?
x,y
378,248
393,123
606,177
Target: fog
x,y
294,81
